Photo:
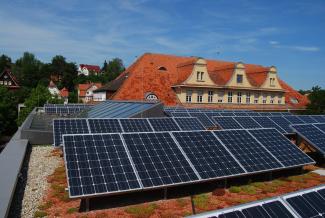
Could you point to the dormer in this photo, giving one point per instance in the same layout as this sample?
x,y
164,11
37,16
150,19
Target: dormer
x,y
239,77
271,81
199,74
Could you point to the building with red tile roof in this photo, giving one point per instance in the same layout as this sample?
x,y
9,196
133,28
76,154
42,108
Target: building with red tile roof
x,y
85,91
198,82
87,69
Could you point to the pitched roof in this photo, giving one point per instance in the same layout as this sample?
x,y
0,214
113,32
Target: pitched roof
x,y
144,76
95,68
115,84
52,84
12,77
84,87
64,92
292,95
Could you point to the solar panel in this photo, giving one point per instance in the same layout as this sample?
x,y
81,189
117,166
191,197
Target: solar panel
x,y
312,135
189,123
281,147
283,123
158,160
227,114
227,123
207,154
247,122
97,164
68,126
265,113
249,152
240,114
307,119
212,114
104,126
319,118
135,125
294,119
204,119
320,126
163,124
180,114
265,122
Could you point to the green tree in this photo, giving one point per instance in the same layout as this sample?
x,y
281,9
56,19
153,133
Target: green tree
x,y
5,62
27,70
8,111
317,101
105,66
114,68
67,70
73,97
38,97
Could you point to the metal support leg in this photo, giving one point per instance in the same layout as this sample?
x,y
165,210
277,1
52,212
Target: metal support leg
x,y
87,204
193,206
165,193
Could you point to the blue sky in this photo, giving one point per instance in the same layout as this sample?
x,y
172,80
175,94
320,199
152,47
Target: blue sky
x,y
288,34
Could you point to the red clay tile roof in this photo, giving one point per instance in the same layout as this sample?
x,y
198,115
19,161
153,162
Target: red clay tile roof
x,y
84,87
144,76
64,92
91,67
292,94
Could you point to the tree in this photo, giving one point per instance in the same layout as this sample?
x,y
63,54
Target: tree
x,y
5,62
114,68
38,97
27,70
105,65
317,101
8,111
67,70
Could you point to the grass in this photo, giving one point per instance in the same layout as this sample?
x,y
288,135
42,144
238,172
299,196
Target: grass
x,y
72,210
144,211
201,201
259,185
40,213
45,206
248,189
234,189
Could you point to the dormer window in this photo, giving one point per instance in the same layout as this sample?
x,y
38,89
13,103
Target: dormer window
x,y
199,76
272,81
162,68
239,78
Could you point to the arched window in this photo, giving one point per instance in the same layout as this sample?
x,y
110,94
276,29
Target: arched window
x,y
162,68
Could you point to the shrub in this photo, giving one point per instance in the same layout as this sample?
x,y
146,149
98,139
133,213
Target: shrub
x,y
234,189
40,213
248,189
141,211
201,201
45,206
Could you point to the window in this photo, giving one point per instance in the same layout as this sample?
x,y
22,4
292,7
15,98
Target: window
x,y
272,81
5,83
220,97
199,76
272,99
239,78
264,99
1,82
229,97
294,100
9,83
162,68
256,97
248,98
189,96
280,100
239,97
199,96
210,96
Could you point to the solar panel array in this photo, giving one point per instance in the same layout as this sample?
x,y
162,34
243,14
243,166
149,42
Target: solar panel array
x,y
308,203
313,134
63,109
97,163
115,125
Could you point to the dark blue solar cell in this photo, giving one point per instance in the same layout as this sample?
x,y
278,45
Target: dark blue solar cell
x,y
207,154
204,119
163,124
247,122
282,122
320,126
233,214
266,122
158,160
135,125
104,126
294,119
189,123
316,200
227,123
277,209
97,164
304,209
249,152
318,118
180,114
68,126
281,147
307,119
255,212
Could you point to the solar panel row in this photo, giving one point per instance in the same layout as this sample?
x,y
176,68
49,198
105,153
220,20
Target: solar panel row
x,y
115,125
106,163
65,109
314,134
306,203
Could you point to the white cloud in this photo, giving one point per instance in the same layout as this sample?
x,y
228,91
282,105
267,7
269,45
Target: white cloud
x,y
273,42
276,44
